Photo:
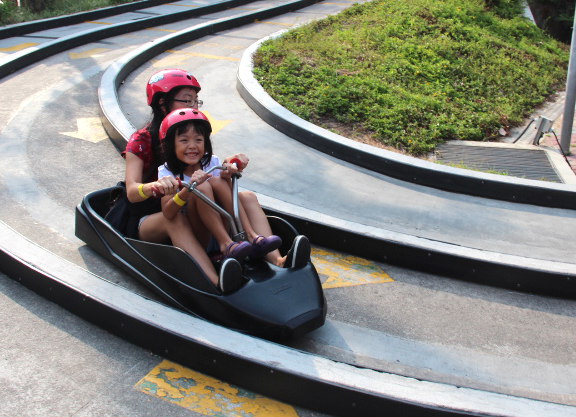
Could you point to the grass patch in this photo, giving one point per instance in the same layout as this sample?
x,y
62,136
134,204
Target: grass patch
x,y
10,13
413,74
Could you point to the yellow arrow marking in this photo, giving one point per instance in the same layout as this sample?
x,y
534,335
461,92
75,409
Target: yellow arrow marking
x,y
208,396
217,125
18,47
89,129
87,54
346,271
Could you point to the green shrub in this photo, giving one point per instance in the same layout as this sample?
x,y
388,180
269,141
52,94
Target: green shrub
x,y
413,74
41,9
7,9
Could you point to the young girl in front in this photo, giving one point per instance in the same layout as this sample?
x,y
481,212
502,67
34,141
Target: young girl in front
x,y
185,138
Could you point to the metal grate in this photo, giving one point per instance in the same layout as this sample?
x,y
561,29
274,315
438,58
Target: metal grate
x,y
517,162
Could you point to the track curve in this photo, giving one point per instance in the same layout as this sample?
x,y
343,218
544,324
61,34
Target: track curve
x,y
90,298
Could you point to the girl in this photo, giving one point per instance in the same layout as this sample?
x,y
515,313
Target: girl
x,y
165,90
185,137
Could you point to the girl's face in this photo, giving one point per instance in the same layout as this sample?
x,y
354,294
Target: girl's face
x,y
189,146
187,97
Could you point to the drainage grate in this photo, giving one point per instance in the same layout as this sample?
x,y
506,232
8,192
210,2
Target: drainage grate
x,y
517,162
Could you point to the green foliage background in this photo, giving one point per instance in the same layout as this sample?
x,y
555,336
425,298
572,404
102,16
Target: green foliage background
x,y
40,9
412,74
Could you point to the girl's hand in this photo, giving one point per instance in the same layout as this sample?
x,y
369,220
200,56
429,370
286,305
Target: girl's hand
x,y
199,177
234,164
243,158
166,186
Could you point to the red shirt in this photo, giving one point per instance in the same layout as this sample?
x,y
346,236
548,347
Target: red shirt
x,y
140,144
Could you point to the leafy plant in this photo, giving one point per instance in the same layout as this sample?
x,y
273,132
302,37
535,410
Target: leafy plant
x,y
413,74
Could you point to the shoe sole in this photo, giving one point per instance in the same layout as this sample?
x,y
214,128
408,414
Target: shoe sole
x,y
301,244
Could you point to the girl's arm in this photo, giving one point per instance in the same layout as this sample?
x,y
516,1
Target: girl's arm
x,y
133,179
172,204
138,191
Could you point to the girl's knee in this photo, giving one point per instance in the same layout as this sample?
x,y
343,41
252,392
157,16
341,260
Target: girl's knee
x,y
205,187
248,197
218,182
181,220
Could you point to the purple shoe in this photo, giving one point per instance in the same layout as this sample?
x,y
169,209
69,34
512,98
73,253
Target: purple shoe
x,y
262,245
238,250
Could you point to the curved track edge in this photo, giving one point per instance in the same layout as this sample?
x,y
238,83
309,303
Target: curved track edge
x,y
483,267
286,374
392,164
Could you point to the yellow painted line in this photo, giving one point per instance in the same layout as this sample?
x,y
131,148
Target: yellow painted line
x,y
208,396
177,58
98,23
162,30
89,129
18,47
87,54
275,23
198,54
341,270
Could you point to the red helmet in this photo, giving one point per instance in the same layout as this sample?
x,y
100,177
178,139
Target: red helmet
x,y
180,116
165,80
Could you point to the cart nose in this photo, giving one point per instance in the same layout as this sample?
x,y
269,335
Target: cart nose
x,y
306,322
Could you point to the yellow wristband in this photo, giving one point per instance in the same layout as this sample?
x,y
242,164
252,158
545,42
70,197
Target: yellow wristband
x,y
178,200
141,192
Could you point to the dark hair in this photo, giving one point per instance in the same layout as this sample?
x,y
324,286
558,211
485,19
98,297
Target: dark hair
x,y
158,115
176,166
